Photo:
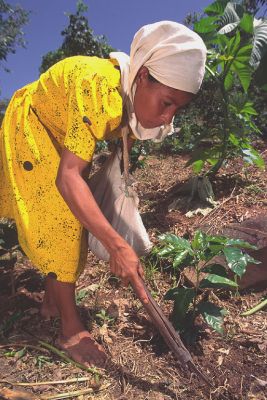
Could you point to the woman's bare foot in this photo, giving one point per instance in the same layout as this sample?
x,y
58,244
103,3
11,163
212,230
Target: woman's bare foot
x,y
83,349
75,340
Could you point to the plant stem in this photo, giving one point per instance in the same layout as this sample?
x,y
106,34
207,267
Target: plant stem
x,y
196,263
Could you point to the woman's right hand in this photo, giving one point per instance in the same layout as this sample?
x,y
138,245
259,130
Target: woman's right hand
x,y
125,264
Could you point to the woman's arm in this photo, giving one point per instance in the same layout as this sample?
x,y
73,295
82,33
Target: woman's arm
x,y
124,262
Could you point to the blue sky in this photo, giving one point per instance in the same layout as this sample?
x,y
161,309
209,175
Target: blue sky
x,y
117,19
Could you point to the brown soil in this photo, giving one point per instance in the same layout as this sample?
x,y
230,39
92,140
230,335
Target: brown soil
x,y
142,367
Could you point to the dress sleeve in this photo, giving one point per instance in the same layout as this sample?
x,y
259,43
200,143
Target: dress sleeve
x,y
94,110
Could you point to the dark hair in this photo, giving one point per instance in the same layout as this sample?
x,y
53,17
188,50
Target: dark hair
x,y
152,79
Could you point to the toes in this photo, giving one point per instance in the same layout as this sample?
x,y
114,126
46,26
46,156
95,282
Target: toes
x,y
94,352
84,350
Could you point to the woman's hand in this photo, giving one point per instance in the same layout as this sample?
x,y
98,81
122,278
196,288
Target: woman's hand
x,y
125,264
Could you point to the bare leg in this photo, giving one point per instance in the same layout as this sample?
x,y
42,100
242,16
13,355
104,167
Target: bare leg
x,y
49,307
74,338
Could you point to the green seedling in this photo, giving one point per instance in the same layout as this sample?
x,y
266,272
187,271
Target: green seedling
x,y
104,317
16,354
80,296
40,361
190,302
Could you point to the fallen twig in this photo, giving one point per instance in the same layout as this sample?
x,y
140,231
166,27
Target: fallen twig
x,y
67,395
253,310
62,355
30,346
32,384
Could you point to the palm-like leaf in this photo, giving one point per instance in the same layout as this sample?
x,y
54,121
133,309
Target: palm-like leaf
x,y
231,17
259,41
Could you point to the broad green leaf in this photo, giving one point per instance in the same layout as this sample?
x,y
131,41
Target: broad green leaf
x,y
212,161
259,41
179,258
228,28
246,23
228,81
233,139
165,251
206,25
243,55
175,241
216,239
240,243
251,156
223,41
244,74
199,240
237,260
248,109
232,13
216,281
213,315
215,248
216,8
234,44
197,166
182,297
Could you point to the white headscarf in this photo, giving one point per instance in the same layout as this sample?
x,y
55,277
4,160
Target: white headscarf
x,y
173,54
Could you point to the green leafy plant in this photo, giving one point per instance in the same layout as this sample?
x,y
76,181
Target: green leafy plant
x,y
237,44
81,295
17,354
41,361
138,154
104,318
199,254
12,19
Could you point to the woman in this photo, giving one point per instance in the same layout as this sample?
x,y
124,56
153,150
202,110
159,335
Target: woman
x,y
48,139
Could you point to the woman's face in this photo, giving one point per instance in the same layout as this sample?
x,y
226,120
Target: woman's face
x,y
156,104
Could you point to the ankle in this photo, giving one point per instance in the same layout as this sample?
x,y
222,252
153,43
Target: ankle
x,y
71,327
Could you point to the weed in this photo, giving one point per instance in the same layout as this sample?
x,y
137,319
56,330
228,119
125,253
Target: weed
x,y
40,361
16,354
80,296
104,318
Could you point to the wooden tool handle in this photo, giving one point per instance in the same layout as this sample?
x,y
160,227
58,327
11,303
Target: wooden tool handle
x,y
170,336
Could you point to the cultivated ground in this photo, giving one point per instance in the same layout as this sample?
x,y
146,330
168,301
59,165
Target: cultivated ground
x,y
141,366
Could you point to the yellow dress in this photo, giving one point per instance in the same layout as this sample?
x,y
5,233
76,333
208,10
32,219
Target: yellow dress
x,y
74,104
